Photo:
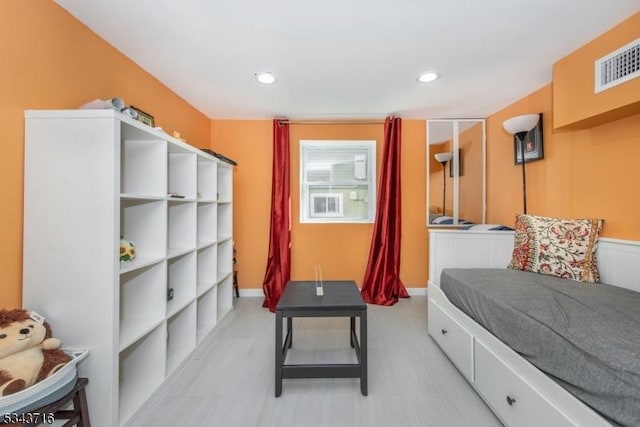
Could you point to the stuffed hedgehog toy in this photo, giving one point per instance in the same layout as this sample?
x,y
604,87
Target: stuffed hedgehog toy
x,y
28,354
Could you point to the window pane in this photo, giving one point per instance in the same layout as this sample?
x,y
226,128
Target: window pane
x,y
337,181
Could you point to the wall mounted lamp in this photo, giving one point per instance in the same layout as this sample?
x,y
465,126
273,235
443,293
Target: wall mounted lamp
x,y
519,126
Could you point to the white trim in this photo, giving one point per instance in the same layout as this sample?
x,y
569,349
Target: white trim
x,y
339,187
338,213
617,258
253,293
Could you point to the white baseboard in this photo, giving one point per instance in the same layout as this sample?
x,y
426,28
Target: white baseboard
x,y
415,292
253,293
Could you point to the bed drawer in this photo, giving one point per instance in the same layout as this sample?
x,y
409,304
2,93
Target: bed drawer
x,y
515,402
452,338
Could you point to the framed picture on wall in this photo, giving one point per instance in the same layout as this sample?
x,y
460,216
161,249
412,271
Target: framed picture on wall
x,y
533,145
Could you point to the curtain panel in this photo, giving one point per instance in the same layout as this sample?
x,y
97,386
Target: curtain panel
x,y
278,271
382,284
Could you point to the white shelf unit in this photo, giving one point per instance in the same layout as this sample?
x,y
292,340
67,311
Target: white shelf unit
x,y
207,224
181,338
207,313
207,276
207,181
183,222
92,176
182,280
225,245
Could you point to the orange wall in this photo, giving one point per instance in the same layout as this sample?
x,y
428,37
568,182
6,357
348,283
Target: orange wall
x,y
585,173
574,102
342,249
590,172
249,142
52,61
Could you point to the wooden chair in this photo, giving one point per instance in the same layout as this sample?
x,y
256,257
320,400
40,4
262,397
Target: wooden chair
x,y
78,416
235,273
235,283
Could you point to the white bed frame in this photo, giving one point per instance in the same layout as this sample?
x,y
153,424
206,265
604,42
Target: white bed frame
x,y
517,392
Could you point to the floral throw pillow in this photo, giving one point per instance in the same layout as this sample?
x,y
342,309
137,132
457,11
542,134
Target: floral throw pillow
x,y
559,247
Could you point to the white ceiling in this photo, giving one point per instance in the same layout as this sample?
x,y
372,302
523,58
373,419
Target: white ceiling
x,y
349,58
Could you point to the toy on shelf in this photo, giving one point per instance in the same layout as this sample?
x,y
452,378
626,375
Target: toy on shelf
x,y
127,250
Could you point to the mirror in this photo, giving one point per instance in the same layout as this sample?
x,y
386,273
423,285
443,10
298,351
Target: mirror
x,y
455,172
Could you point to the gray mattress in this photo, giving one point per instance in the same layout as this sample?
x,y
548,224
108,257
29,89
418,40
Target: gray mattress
x,y
584,336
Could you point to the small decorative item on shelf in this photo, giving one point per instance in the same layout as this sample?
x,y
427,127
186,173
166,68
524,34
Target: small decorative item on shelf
x,y
176,195
177,135
128,111
169,294
143,117
127,250
104,104
220,156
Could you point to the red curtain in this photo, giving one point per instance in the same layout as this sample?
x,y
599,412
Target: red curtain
x,y
382,284
278,269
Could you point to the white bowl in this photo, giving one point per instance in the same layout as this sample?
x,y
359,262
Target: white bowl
x,y
46,391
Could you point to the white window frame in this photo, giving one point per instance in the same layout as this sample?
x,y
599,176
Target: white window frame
x,y
339,212
366,175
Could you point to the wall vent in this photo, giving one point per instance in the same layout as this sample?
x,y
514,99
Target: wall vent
x,y
618,67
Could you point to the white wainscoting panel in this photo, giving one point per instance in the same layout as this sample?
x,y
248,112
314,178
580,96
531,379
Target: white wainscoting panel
x,y
618,260
468,249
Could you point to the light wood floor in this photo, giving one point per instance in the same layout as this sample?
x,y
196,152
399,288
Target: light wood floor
x,y
229,379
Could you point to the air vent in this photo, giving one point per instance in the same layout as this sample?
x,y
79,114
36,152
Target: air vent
x,y
618,67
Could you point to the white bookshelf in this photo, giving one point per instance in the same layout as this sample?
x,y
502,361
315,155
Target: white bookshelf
x,y
92,176
207,276
181,341
207,313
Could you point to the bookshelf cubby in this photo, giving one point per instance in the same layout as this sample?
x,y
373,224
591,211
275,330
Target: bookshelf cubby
x,y
92,176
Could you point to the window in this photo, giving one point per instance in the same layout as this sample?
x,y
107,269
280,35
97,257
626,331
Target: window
x,y
325,205
337,181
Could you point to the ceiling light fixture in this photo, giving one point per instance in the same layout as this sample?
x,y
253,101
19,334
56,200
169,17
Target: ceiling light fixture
x,y
427,77
265,78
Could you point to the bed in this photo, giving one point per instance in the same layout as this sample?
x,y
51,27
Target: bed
x,y
463,224
496,363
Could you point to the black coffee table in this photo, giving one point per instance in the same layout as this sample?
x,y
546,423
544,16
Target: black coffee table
x,y
340,299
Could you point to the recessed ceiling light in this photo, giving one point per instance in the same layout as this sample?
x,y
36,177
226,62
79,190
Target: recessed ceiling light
x,y
427,77
265,78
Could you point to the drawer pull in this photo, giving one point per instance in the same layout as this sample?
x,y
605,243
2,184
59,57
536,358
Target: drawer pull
x,y
444,331
511,400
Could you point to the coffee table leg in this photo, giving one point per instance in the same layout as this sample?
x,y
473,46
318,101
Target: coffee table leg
x,y
363,352
278,347
290,330
352,330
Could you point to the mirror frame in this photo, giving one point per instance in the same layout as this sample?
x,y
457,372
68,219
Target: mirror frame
x,y
456,189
